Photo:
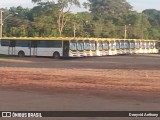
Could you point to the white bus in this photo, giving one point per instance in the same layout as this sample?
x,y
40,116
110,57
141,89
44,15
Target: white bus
x,y
37,47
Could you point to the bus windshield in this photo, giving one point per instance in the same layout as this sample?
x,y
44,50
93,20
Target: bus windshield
x,y
143,45
86,45
126,44
151,45
122,44
80,45
93,47
100,45
147,45
132,44
112,46
137,45
105,45
73,45
117,45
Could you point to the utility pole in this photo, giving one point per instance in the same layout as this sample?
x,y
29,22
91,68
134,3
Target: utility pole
x,y
125,31
142,34
2,21
1,25
74,29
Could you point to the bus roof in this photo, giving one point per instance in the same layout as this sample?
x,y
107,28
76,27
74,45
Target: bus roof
x,y
71,38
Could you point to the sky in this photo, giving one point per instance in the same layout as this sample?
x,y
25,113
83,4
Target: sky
x,y
138,5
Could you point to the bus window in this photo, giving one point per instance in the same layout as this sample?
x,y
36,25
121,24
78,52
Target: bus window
x,y
112,46
86,45
22,43
105,45
122,44
73,45
92,45
42,44
137,45
80,45
100,45
34,44
126,44
157,45
12,43
132,45
143,45
117,45
147,45
50,44
55,43
4,42
151,45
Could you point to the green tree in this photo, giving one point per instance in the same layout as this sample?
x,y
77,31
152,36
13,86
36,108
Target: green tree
x,y
154,20
62,12
44,20
111,7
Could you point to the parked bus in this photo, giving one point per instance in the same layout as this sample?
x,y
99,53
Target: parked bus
x,y
55,47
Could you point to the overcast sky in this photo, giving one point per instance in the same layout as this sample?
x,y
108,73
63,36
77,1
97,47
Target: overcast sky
x,y
138,5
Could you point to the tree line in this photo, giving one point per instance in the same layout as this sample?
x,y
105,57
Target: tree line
x,y
105,19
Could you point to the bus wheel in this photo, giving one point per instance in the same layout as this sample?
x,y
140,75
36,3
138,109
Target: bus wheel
x,y
56,55
21,54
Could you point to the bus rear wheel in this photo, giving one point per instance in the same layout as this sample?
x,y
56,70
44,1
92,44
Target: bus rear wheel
x,y
21,54
56,55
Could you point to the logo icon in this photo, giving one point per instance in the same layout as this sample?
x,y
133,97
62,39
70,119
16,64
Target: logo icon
x,y
6,114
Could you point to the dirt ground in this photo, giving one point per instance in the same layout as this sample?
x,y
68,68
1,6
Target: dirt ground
x,y
97,83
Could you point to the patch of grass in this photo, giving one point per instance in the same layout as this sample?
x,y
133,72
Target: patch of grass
x,y
6,57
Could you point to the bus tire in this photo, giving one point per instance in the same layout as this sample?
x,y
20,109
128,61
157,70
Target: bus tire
x,y
21,54
56,55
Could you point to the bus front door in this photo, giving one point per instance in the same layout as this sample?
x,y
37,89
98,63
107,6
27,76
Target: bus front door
x,y
11,48
33,48
65,48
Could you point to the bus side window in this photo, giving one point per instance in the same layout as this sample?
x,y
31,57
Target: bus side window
x,y
57,43
33,44
22,43
12,43
4,42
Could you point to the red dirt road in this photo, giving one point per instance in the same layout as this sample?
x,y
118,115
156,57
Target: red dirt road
x,y
130,84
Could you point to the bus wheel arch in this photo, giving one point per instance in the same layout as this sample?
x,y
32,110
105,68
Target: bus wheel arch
x,y
56,55
21,54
